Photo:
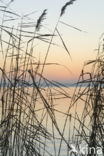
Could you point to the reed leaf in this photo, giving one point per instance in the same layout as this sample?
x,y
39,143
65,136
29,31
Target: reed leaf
x,y
72,26
64,44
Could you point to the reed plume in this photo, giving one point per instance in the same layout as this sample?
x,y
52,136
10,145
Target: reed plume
x,y
65,6
40,19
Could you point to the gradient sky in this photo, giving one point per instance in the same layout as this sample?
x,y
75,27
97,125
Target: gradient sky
x,y
83,14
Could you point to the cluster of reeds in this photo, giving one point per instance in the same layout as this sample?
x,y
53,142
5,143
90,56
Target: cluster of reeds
x,y
26,96
88,129
28,109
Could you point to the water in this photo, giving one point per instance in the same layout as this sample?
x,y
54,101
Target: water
x,y
48,129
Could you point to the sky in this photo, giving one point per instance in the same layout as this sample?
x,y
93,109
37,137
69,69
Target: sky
x,y
86,15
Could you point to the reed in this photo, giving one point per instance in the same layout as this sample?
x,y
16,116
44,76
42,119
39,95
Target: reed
x,y
27,102
63,9
41,18
89,91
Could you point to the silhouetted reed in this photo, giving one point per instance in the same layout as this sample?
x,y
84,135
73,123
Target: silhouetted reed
x,y
27,98
65,6
88,127
29,125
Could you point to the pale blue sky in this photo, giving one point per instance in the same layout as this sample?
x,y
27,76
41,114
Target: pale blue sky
x,y
84,14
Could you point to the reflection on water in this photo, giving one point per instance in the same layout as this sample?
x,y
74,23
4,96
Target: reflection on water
x,y
49,121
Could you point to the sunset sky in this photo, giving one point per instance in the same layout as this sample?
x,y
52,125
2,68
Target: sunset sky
x,y
86,15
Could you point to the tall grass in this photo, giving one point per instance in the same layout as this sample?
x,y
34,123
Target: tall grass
x,y
88,127
29,124
26,106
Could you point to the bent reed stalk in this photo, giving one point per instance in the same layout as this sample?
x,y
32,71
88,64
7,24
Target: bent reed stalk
x,y
27,99
29,124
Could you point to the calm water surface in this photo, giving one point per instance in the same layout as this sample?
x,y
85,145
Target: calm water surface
x,y
67,118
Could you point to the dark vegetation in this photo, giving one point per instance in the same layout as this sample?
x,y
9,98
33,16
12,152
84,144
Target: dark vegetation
x,y
27,108
90,131
28,112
